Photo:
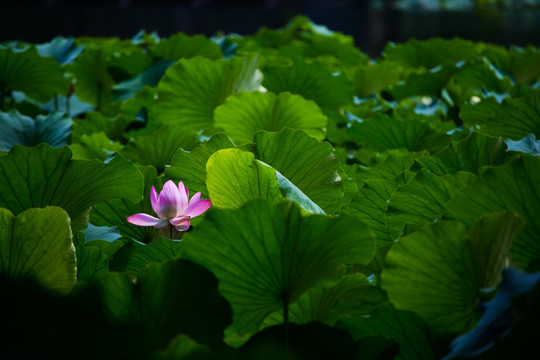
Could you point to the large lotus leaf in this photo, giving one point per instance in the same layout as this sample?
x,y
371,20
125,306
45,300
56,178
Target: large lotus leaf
x,y
428,83
479,113
40,78
370,205
42,175
310,165
470,154
190,166
93,82
234,177
37,244
372,78
134,256
61,48
430,53
439,271
157,148
312,81
191,89
397,161
267,255
423,199
522,63
514,186
243,115
167,299
383,133
115,212
95,146
516,117
182,46
352,296
405,327
53,129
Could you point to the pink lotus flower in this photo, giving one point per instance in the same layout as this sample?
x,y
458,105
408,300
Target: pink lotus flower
x,y
174,209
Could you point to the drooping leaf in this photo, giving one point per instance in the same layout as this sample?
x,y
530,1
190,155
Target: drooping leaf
x,y
405,327
282,255
53,129
528,144
62,49
191,89
51,178
311,166
37,244
512,186
159,301
439,271
190,166
234,177
243,115
470,154
40,78
128,89
158,148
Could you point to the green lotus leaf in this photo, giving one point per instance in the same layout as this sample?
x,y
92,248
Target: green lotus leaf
x,y
310,165
95,146
430,53
53,129
134,256
370,205
61,48
470,154
423,199
190,166
312,81
93,82
473,114
352,296
96,122
373,78
234,177
266,256
516,117
405,327
40,78
439,271
37,244
159,301
427,83
157,148
394,164
114,212
383,133
182,46
91,262
191,89
51,178
242,115
514,186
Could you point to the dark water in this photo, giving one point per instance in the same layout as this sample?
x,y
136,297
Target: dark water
x,y
371,28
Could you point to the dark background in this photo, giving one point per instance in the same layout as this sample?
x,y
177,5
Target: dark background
x,y
371,23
